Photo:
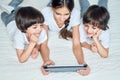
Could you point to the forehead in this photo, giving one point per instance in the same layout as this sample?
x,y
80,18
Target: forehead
x,y
90,25
63,10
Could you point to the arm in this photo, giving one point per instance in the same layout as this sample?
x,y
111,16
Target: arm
x,y
23,55
45,56
86,45
46,28
77,49
103,52
44,51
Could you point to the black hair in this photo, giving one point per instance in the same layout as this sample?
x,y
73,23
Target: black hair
x,y
26,17
64,33
97,16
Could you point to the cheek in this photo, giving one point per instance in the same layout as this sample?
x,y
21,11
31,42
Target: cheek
x,y
95,31
56,16
32,32
86,29
66,17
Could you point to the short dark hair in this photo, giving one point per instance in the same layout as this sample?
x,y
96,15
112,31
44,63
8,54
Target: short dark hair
x,y
97,16
26,17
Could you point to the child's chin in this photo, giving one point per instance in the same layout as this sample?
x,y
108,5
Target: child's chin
x,y
37,36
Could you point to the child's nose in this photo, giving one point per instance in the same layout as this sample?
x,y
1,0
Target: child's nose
x,y
39,28
89,30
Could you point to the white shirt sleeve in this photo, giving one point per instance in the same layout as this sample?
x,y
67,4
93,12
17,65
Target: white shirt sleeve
x,y
83,35
75,18
45,11
105,38
19,41
43,37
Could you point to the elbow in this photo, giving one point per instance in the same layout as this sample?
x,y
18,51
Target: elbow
x,y
104,56
22,60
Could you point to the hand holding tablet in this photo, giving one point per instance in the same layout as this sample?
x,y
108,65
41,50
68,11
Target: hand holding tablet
x,y
65,68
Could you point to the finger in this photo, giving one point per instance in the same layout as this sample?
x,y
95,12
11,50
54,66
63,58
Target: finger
x,y
44,72
82,72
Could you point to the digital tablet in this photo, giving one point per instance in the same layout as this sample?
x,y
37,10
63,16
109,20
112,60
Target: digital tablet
x,y
65,68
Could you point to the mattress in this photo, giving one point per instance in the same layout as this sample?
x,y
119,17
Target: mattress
x,y
61,53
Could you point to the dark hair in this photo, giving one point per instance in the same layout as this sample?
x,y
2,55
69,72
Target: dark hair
x,y
97,16
26,17
64,33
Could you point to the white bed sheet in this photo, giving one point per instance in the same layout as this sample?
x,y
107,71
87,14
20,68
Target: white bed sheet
x,y
61,53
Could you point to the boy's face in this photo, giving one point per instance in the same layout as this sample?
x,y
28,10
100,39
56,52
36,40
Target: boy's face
x,y
34,29
61,14
91,30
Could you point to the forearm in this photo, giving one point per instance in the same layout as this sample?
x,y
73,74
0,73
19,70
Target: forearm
x,y
44,52
86,45
26,53
103,52
78,52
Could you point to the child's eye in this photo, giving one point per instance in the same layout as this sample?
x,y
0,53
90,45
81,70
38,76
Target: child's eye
x,y
58,13
94,27
86,25
41,25
34,27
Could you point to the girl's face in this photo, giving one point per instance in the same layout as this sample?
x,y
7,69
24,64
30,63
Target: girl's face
x,y
34,29
90,29
61,14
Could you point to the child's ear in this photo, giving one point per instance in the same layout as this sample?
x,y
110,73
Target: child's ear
x,y
50,5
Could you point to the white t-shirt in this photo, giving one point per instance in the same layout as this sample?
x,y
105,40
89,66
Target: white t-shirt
x,y
50,21
104,37
19,39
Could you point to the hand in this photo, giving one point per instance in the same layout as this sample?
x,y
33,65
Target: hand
x,y
48,62
96,35
84,72
33,38
94,48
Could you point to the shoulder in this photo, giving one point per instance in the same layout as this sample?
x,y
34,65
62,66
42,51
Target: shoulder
x,y
75,14
105,34
42,37
47,13
19,35
43,31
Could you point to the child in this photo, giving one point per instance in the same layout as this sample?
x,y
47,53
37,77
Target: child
x,y
62,17
30,37
95,23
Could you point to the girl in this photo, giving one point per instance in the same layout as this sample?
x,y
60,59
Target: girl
x,y
95,24
29,37
61,16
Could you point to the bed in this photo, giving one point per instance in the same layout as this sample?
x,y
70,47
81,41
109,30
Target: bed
x,y
61,52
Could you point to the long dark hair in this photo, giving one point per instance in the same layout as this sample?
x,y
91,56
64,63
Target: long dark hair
x,y
97,16
64,33
26,17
